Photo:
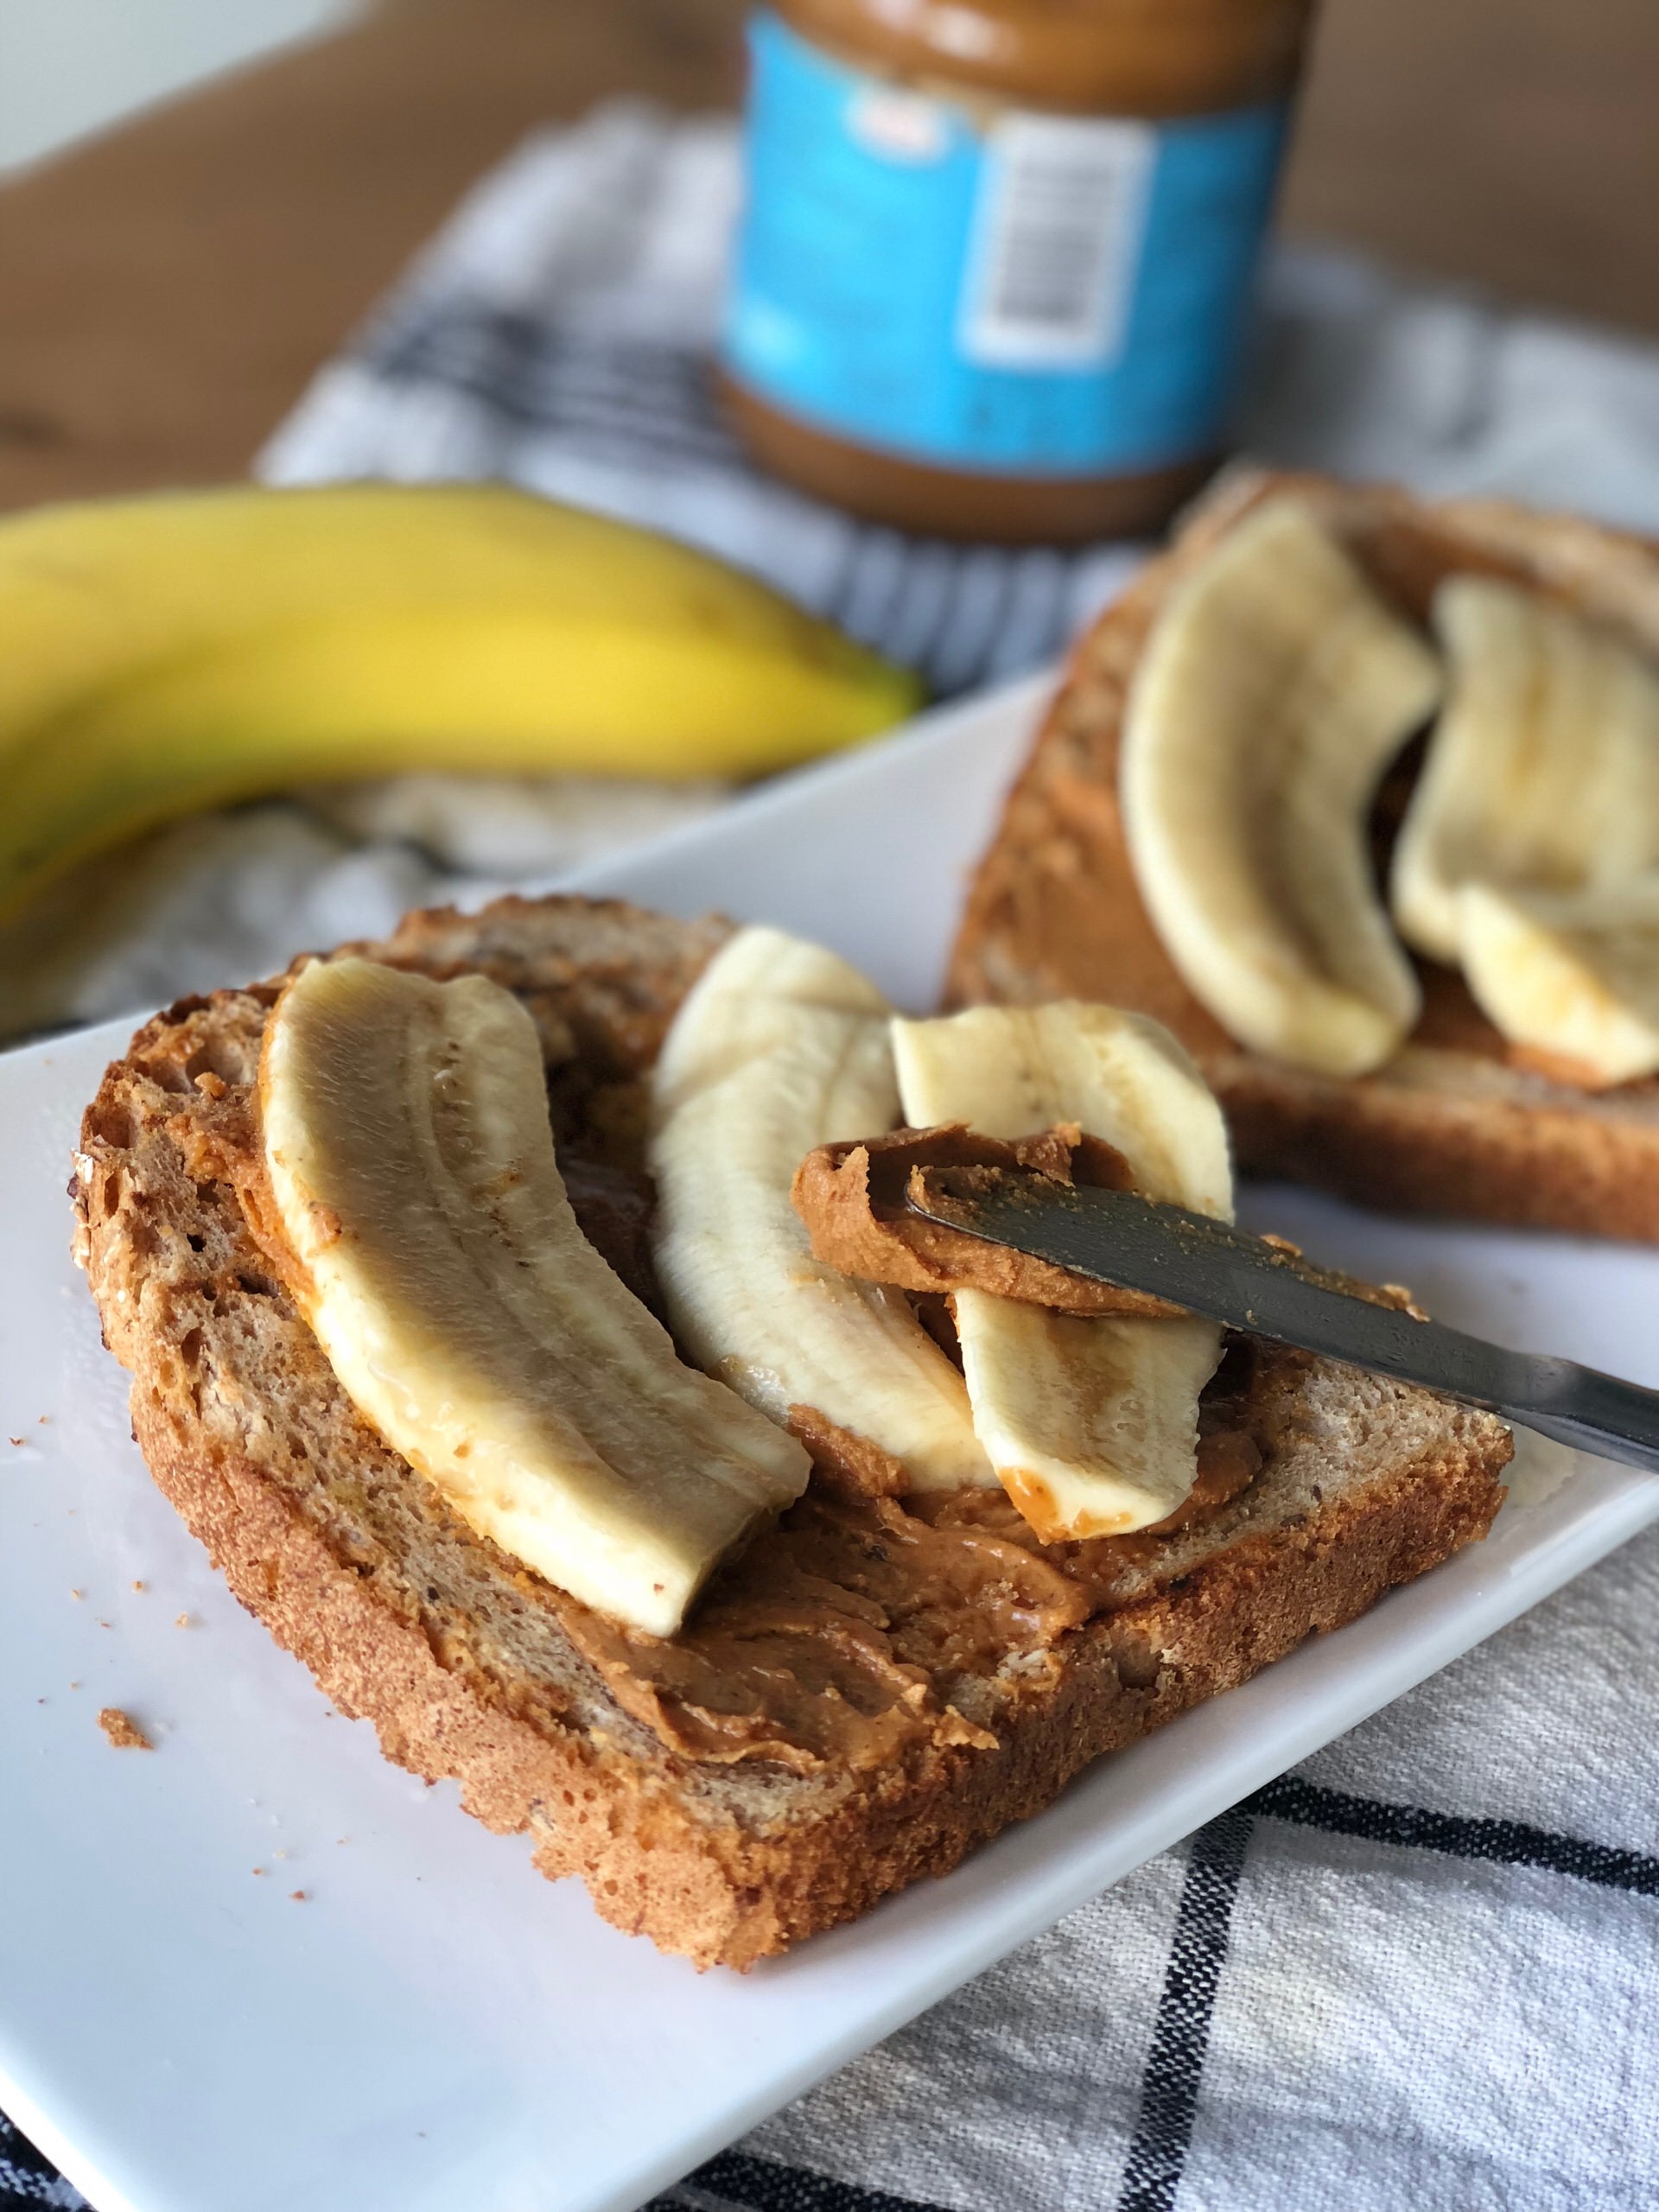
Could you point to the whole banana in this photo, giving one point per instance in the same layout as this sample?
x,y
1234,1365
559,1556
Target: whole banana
x,y
176,652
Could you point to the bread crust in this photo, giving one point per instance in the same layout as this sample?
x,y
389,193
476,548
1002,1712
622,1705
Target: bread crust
x,y
1454,1124
385,1602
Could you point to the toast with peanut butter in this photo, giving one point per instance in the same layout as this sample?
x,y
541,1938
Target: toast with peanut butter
x,y
881,1678
1451,1102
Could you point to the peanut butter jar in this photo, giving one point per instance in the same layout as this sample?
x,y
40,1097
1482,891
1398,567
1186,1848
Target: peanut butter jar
x,y
994,271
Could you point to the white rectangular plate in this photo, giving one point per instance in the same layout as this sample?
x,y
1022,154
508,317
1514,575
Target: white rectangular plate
x,y
432,2025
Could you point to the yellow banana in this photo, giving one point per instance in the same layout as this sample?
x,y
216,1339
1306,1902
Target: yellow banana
x,y
166,653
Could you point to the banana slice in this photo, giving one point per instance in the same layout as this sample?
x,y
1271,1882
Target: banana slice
x,y
1091,1425
1573,973
1273,691
780,1047
466,1315
1543,771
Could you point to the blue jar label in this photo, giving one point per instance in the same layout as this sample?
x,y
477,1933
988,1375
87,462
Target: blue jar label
x,y
1036,294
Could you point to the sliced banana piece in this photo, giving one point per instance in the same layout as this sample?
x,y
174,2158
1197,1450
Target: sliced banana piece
x,y
1543,770
1573,973
1274,690
780,1047
1091,1425
468,1318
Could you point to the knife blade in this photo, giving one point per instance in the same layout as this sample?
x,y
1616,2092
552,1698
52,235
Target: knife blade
x,y
1211,1269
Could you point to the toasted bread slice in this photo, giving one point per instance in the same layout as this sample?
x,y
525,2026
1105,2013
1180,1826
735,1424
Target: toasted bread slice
x,y
874,1688
1454,1123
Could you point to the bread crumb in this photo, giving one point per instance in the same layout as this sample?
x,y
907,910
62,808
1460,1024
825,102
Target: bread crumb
x,y
181,1620
102,1623
298,1895
77,1593
44,1419
280,1854
137,1586
122,1730
18,1441
74,1686
259,1869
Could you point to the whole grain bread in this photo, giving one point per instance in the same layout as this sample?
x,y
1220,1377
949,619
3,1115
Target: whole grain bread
x,y
956,1673
1456,1123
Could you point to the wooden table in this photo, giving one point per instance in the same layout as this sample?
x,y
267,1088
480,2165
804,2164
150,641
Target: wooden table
x,y
165,290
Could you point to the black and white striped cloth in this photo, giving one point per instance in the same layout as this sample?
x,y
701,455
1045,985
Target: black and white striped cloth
x,y
1420,1974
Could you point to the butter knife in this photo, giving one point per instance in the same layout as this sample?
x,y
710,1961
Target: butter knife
x,y
1211,1269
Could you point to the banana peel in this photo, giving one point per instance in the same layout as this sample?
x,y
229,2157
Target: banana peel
x,y
186,650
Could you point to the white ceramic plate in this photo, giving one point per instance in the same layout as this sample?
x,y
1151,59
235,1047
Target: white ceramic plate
x,y
433,2026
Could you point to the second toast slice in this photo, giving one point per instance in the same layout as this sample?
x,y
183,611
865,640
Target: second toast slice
x,y
1451,1124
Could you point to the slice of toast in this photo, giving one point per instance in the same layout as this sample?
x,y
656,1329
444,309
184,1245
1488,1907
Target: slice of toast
x,y
875,1686
1454,1123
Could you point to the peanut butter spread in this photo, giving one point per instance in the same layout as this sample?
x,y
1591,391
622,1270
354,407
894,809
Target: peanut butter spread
x,y
859,1628
852,1199
847,1634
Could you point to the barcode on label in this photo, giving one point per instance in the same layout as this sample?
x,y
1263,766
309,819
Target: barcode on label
x,y
1056,239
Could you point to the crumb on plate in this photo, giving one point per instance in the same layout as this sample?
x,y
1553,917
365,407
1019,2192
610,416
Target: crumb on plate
x,y
122,1729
